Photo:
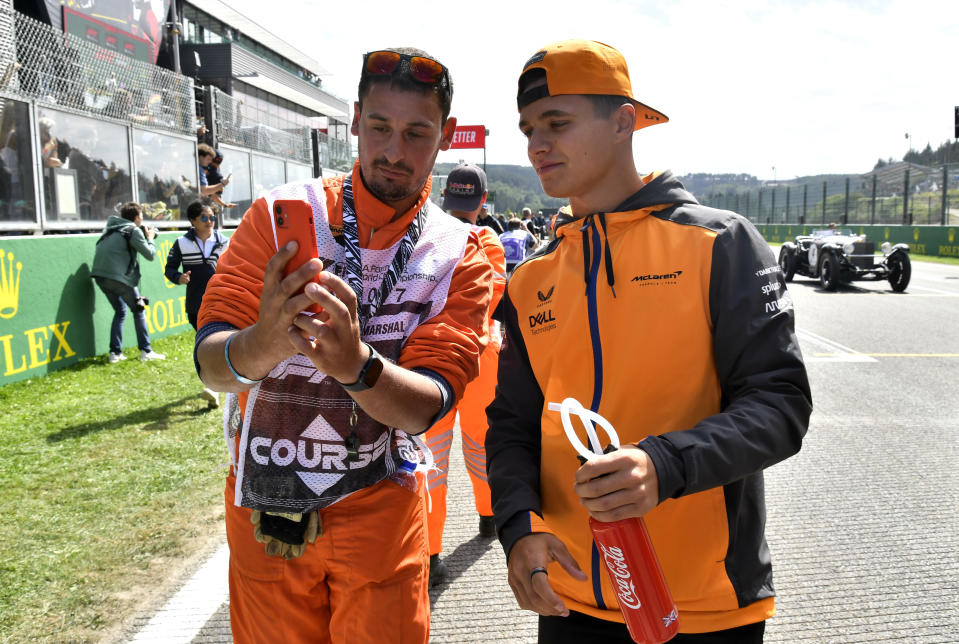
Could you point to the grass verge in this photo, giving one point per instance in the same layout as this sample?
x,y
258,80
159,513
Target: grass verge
x,y
106,472
936,259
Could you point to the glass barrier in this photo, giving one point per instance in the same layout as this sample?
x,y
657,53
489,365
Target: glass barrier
x,y
239,190
85,164
166,175
17,200
298,172
268,173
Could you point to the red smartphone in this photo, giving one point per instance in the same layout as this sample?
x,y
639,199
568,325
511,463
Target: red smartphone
x,y
294,222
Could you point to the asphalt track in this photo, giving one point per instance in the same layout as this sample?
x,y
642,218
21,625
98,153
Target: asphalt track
x,y
862,524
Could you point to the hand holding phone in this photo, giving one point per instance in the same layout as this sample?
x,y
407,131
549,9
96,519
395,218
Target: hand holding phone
x,y
293,220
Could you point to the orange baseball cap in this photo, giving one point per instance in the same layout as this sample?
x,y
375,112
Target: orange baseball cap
x,y
584,67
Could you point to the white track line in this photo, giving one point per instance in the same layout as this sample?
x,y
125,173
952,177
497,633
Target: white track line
x,y
182,618
933,290
838,352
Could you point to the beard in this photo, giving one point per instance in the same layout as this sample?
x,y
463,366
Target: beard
x,y
387,190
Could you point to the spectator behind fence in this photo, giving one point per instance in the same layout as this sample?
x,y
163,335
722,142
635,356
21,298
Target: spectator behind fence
x,y
205,154
197,252
116,270
49,152
213,177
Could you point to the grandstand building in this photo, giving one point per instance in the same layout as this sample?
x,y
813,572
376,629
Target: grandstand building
x,y
105,102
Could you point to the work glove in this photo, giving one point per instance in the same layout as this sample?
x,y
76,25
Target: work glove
x,y
285,535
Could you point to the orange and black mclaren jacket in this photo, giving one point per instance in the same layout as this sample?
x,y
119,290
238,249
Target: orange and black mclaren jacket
x,y
671,320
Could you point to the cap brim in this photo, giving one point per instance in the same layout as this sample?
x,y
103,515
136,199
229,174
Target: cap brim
x,y
646,116
462,204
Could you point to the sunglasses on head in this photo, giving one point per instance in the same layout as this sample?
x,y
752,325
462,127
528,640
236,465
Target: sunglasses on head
x,y
422,69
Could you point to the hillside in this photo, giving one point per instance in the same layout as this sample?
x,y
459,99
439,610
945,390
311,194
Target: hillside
x,y
511,187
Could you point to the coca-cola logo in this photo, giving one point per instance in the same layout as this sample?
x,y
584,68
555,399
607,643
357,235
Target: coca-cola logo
x,y
621,577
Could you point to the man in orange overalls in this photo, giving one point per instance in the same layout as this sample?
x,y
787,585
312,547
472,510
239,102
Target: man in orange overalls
x,y
325,519
464,198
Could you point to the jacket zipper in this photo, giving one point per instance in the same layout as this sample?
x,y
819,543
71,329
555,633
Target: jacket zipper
x,y
594,336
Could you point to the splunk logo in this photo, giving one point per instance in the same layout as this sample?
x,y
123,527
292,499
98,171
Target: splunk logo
x,y
657,278
9,285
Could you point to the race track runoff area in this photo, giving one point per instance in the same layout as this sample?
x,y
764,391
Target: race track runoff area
x,y
862,523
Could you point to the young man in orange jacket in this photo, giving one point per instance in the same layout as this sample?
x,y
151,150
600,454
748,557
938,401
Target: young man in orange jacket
x,y
325,517
672,321
464,199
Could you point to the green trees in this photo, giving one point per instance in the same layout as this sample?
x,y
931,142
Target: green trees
x,y
514,186
948,152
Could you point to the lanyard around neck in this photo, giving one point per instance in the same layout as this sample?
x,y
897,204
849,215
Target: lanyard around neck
x,y
354,262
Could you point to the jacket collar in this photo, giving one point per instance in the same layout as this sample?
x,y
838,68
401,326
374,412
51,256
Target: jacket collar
x,y
217,237
662,190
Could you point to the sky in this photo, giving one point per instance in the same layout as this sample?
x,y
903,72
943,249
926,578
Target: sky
x,y
776,88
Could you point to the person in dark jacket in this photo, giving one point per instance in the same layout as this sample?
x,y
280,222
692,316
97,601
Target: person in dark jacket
x,y
215,177
488,220
197,253
116,270
670,320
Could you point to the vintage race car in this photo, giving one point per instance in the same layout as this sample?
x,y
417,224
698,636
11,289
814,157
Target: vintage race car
x,y
838,256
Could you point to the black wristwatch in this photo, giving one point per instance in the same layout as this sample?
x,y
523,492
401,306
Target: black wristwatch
x,y
369,374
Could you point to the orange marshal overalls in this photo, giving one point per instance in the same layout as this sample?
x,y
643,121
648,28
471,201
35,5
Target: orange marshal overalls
x,y
365,577
472,414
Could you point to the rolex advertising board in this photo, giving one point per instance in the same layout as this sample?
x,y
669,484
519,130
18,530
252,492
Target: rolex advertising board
x,y
53,315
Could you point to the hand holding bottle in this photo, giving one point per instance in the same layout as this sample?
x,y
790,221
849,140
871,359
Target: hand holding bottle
x,y
624,544
618,485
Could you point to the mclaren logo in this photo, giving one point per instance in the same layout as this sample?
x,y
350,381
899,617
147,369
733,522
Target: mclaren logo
x,y
658,277
544,297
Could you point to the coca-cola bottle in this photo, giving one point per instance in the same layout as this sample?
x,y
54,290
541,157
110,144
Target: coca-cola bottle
x,y
634,571
637,579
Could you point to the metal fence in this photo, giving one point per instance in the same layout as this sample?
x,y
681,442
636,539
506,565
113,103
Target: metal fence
x,y
57,69
335,154
901,193
262,130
